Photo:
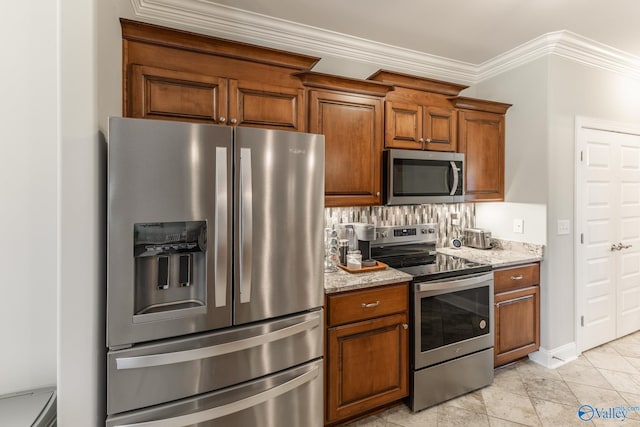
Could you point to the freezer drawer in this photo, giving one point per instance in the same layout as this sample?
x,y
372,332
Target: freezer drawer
x,y
174,369
291,398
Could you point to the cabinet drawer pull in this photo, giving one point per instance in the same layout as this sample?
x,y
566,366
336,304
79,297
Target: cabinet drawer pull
x,y
511,301
520,277
371,305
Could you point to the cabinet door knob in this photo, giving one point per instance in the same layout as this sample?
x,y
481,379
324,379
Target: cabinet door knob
x,y
405,326
377,194
222,119
371,304
234,121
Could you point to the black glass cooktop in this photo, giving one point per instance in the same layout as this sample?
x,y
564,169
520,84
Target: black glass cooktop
x,y
424,264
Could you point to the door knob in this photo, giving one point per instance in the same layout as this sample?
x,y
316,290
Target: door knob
x,y
620,247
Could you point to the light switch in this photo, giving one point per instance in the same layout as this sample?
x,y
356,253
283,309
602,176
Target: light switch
x,y
564,227
518,225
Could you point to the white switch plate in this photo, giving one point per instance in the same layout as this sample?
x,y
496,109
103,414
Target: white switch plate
x,y
518,225
564,227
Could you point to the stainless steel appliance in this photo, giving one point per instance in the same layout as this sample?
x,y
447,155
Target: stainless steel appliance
x,y
452,315
214,275
477,238
413,177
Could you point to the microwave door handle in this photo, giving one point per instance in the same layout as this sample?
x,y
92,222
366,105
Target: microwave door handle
x,y
246,225
221,228
456,180
233,407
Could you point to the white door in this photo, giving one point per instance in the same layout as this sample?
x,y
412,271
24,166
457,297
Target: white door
x,y
608,218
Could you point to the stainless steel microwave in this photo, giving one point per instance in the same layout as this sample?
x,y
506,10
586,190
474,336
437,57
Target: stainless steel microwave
x,y
413,177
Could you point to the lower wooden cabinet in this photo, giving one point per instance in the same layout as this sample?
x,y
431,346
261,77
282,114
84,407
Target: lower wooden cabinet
x,y
367,356
517,313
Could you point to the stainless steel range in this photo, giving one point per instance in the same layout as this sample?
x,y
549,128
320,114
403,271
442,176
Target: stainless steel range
x,y
452,314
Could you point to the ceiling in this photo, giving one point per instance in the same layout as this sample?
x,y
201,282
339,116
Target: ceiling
x,y
471,31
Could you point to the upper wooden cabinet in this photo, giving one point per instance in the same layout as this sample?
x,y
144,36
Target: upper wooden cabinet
x,y
349,113
176,75
481,138
418,114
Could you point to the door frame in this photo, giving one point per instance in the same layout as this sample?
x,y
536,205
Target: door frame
x,y
582,122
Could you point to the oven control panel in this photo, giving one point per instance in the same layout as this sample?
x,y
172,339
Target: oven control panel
x,y
418,233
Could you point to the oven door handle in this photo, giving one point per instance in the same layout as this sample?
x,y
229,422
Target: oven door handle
x,y
468,282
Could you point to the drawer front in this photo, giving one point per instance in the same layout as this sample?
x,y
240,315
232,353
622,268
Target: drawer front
x,y
515,278
367,304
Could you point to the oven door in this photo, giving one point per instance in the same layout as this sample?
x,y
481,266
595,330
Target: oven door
x,y
452,318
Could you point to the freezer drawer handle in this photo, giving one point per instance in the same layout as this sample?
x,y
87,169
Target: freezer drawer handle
x,y
161,359
231,408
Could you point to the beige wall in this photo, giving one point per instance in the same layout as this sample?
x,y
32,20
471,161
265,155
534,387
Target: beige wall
x,y
540,162
28,149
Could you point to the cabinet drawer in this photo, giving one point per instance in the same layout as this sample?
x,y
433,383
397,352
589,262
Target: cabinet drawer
x,y
367,304
515,278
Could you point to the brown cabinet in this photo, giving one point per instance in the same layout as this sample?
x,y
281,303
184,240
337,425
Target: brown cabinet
x,y
366,363
517,312
418,114
481,138
349,114
175,75
166,94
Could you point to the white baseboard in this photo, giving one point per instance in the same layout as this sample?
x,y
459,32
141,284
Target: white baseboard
x,y
555,357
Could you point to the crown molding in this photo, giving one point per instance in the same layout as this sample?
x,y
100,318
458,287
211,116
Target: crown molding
x,y
207,17
564,44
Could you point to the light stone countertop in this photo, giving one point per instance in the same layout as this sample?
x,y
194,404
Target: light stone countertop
x,y
341,281
498,257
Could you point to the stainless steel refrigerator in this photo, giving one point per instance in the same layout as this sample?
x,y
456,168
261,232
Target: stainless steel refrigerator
x,y
214,275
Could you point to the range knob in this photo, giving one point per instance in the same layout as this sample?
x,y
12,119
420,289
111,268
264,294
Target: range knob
x,y
428,230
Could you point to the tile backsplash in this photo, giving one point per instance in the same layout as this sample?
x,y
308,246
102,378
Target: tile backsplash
x,y
444,215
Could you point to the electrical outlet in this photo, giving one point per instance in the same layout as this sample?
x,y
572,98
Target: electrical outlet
x,y
518,225
455,218
564,227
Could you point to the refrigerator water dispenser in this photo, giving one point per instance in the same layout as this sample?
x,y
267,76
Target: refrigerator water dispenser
x,y
170,266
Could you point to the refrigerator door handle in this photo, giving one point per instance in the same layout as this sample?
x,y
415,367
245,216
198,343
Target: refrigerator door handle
x,y
221,228
246,225
160,359
231,408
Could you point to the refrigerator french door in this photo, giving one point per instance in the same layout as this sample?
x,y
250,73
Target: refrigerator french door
x,y
214,270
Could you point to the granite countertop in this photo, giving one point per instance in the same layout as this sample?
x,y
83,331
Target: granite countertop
x,y
503,254
341,281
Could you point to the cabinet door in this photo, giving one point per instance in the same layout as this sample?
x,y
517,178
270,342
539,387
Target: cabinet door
x,y
440,129
403,125
267,106
158,93
352,126
517,322
367,365
481,139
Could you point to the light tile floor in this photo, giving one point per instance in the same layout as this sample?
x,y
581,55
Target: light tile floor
x,y
525,393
